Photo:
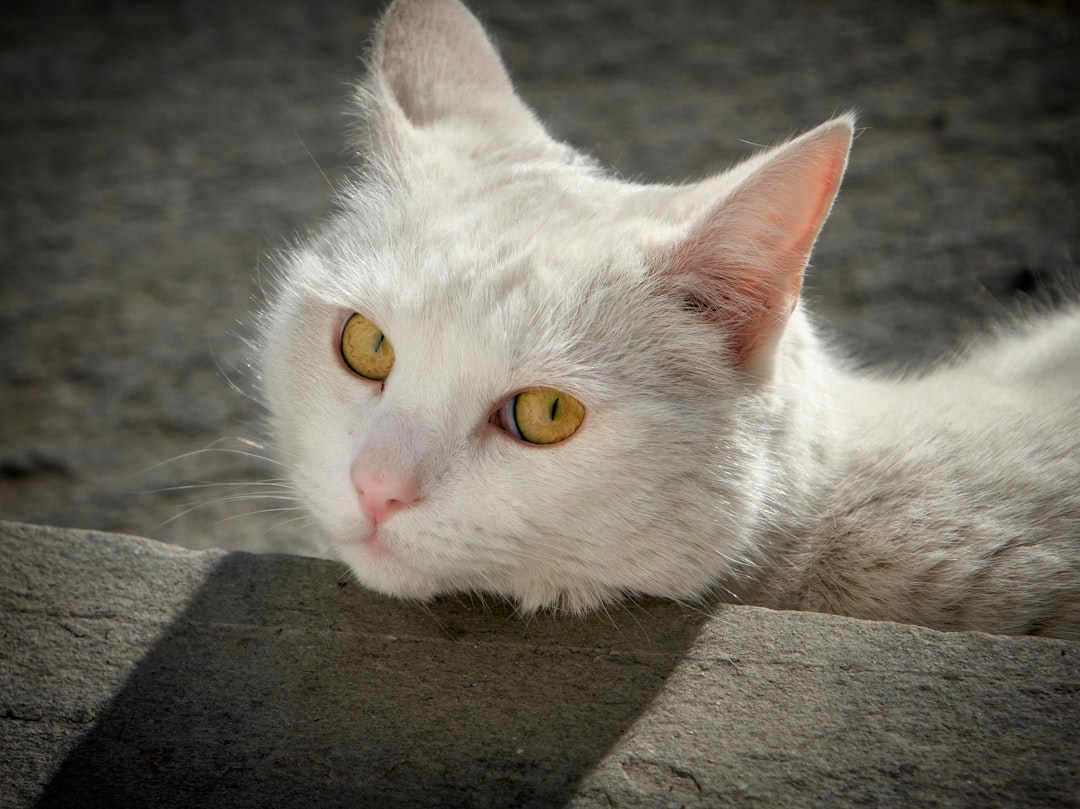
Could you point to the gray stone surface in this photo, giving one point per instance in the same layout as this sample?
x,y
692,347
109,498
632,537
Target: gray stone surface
x,y
154,156
135,673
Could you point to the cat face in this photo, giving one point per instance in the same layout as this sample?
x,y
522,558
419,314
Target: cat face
x,y
480,311
499,370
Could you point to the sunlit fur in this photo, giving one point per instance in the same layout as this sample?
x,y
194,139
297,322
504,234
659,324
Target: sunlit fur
x,y
496,259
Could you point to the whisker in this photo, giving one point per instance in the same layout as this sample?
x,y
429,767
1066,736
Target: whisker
x,y
227,375
282,510
281,485
313,160
217,450
191,508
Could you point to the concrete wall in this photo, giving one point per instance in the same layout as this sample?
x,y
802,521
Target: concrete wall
x,y
135,673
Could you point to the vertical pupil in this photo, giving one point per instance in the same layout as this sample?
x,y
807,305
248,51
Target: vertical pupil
x,y
555,408
378,341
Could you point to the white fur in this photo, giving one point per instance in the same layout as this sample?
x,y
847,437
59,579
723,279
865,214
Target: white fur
x,y
496,259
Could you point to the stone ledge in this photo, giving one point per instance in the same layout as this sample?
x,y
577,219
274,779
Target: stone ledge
x,y
136,673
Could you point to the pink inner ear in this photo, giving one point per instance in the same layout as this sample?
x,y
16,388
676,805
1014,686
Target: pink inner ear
x,y
744,262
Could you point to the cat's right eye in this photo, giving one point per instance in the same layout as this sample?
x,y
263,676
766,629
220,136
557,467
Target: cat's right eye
x,y
541,416
365,348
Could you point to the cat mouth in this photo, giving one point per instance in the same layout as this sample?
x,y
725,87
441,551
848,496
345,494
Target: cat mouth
x,y
377,545
377,564
382,550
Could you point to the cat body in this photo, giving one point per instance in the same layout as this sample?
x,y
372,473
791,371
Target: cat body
x,y
499,369
952,497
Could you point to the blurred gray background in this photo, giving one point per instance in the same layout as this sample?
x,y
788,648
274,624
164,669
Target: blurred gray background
x,y
153,156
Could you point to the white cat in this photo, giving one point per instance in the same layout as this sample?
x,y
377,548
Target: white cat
x,y
498,369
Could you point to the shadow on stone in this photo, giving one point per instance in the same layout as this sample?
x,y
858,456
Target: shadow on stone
x,y
317,693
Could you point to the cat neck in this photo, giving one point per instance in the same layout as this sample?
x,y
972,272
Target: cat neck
x,y
807,403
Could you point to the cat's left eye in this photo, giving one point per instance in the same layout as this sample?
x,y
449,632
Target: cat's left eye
x,y
541,416
365,348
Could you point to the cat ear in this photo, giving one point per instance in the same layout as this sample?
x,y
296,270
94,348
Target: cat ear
x,y
742,263
436,62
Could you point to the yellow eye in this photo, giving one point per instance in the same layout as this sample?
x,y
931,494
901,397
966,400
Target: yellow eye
x,y
365,348
542,416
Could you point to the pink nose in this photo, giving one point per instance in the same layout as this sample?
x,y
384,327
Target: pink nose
x,y
382,494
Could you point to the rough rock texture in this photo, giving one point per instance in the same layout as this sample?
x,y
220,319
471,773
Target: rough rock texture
x,y
154,156
134,673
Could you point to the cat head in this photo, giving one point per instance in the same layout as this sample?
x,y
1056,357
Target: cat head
x,y
499,369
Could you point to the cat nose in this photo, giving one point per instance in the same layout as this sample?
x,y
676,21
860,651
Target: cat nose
x,y
382,494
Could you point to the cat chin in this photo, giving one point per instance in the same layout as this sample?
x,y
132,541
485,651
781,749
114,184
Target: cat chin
x,y
379,569
534,598
376,566
387,563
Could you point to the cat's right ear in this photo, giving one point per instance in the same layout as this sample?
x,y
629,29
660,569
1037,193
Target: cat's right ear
x,y
435,63
741,265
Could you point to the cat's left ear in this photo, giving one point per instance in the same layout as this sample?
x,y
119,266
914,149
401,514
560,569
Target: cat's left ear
x,y
435,62
742,263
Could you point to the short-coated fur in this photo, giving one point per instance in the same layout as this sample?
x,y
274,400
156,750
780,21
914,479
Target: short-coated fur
x,y
724,451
